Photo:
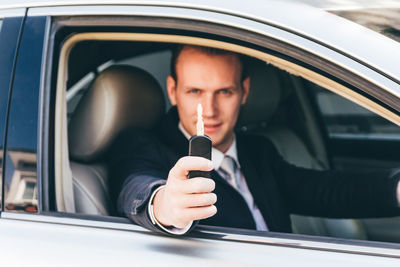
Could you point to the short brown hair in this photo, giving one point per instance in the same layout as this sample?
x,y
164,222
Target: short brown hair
x,y
176,51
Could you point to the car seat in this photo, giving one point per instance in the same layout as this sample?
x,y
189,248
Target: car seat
x,y
121,96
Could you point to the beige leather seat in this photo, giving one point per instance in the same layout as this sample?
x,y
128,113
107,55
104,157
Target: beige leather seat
x,y
264,114
122,96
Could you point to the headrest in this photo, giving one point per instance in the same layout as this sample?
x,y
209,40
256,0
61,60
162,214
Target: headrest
x,y
122,96
264,97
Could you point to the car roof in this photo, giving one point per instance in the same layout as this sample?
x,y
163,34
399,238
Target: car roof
x,y
327,5
350,5
351,39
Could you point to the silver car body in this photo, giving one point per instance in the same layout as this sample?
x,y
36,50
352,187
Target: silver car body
x,y
48,239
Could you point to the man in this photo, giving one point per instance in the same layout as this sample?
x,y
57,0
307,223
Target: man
x,y
255,187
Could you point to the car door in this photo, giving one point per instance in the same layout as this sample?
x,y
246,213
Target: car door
x,y
50,235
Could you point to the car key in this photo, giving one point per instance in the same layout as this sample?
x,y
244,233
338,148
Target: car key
x,y
200,144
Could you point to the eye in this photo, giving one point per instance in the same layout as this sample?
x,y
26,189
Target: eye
x,y
225,92
194,91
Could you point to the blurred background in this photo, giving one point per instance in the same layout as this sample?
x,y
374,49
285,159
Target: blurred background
x,y
382,16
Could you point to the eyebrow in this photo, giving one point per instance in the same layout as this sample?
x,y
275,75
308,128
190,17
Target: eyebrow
x,y
232,87
229,88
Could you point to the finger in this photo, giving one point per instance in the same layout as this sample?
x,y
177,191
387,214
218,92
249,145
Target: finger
x,y
198,200
195,185
199,213
190,163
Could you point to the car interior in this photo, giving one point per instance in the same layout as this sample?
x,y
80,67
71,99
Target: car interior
x,y
114,85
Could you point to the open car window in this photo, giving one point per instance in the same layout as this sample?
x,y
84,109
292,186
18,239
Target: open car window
x,y
297,121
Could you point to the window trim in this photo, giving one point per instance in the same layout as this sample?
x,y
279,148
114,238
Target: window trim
x,y
13,12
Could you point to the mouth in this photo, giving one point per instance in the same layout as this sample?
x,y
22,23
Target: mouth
x,y
212,128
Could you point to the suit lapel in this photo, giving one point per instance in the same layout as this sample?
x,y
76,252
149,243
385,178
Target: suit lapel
x,y
257,185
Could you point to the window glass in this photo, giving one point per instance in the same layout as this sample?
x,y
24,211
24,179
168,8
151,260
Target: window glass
x,y
29,190
22,135
345,118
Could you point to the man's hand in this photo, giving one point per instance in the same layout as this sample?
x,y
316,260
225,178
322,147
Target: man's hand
x,y
184,200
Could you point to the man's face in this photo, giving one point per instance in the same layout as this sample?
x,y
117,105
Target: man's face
x,y
215,82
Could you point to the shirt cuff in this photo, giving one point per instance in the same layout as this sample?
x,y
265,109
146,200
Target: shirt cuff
x,y
168,229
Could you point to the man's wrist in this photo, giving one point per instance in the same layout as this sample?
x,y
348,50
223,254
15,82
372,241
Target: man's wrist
x,y
171,230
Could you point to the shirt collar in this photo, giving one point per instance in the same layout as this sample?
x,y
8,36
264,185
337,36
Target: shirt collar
x,y
217,156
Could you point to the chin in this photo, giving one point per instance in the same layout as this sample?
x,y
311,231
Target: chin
x,y
213,139
215,143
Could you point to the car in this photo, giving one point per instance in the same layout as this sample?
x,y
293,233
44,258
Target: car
x,y
325,91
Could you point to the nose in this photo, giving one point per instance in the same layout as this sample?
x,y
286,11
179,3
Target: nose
x,y
209,106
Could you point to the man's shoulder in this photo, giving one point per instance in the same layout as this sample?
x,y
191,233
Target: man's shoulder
x,y
259,147
131,145
254,140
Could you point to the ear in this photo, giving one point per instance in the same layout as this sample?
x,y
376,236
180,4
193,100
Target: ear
x,y
246,89
171,89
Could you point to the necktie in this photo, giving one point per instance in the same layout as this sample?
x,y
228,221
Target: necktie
x,y
228,168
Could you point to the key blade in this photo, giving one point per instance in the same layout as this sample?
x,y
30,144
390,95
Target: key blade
x,y
200,123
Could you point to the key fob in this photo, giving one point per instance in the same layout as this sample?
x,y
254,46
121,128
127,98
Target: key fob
x,y
200,146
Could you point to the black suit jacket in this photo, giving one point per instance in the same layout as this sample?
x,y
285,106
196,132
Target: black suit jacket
x,y
140,162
